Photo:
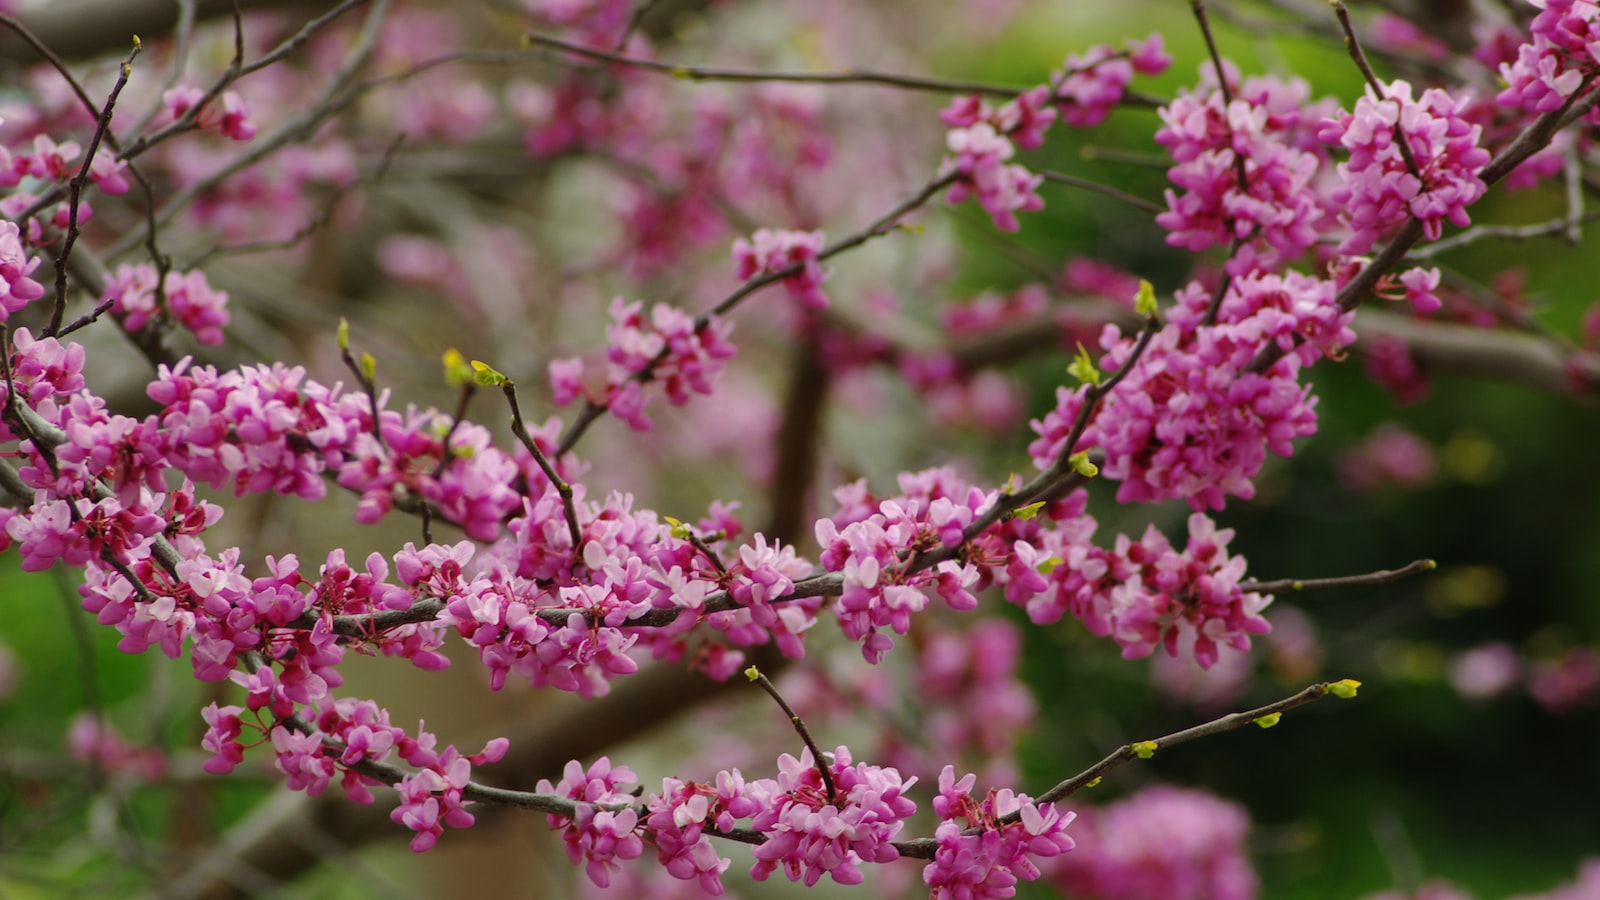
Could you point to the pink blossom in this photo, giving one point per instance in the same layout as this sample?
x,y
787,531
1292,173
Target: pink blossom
x,y
597,836
1559,55
1003,190
985,847
1390,457
1379,190
1388,362
223,728
1161,430
231,120
1162,843
812,832
769,251
16,288
1485,671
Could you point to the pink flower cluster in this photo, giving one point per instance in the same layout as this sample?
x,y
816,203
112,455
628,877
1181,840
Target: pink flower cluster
x,y
1388,362
93,739
675,159
53,162
189,299
229,117
345,734
1162,843
1189,420
769,251
1562,51
1091,85
1146,594
470,481
1379,189
979,156
17,290
679,816
499,616
1264,137
986,847
874,555
811,833
969,696
602,829
256,429
668,348
1390,458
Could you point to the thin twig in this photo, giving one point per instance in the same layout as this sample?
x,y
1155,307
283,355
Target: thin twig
x,y
1501,232
710,73
634,21
1127,752
886,223
817,759
75,192
1108,190
1382,576
296,129
569,506
1379,89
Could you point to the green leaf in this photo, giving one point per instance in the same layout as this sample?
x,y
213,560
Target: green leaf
x,y
1145,749
1269,720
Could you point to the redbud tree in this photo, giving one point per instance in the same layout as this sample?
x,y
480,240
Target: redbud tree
x,y
857,399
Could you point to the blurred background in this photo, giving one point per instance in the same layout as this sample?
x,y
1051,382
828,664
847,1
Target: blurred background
x,y
1468,756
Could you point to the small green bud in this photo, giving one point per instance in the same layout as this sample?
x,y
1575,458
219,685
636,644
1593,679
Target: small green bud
x,y
1080,464
1144,303
1049,565
1145,749
753,673
344,333
485,375
456,370
1093,782
1344,689
1083,369
369,367
1269,720
679,530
